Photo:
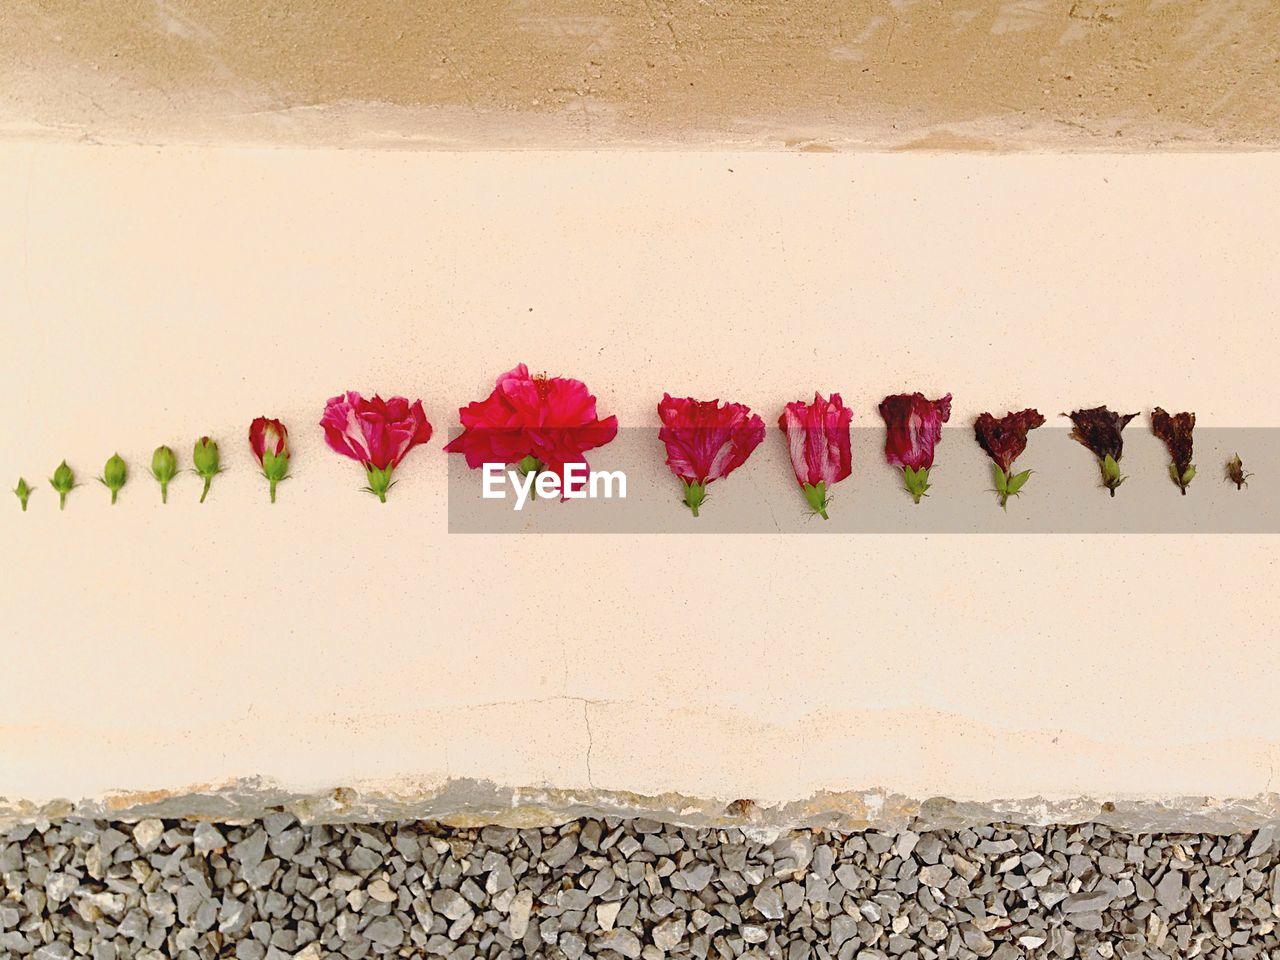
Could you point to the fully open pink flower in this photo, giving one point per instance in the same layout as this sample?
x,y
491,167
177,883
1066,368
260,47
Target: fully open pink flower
x,y
376,432
706,441
818,440
913,428
541,423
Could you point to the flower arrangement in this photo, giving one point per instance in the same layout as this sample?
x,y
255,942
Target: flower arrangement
x,y
545,425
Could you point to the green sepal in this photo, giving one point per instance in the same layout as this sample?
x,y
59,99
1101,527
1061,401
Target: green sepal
x,y
275,468
1018,481
916,482
529,464
380,482
816,494
23,492
1001,480
695,494
1111,476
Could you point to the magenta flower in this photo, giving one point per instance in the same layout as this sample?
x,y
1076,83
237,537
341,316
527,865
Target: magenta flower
x,y
706,441
818,440
376,432
540,423
913,428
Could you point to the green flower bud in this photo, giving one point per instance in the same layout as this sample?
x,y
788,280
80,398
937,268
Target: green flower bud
x,y
207,462
163,467
114,475
64,481
22,492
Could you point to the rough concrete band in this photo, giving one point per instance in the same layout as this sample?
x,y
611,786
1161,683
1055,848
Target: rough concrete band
x,y
467,803
973,74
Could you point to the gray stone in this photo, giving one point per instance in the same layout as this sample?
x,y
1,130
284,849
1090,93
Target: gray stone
x,y
769,903
386,931
623,942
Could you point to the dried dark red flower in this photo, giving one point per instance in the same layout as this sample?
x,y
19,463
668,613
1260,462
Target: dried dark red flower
x,y
1099,429
1004,439
1175,431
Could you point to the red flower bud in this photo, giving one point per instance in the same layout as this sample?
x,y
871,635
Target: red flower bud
x,y
269,441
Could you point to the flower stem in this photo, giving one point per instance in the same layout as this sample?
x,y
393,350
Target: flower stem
x,y
205,492
273,491
113,497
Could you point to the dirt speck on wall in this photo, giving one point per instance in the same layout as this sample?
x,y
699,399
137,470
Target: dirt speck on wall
x,y
786,74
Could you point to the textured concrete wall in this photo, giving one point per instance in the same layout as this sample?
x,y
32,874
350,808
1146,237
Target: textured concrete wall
x,y
364,662
960,74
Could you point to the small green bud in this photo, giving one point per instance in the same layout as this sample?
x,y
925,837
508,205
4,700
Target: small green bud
x,y
64,481
22,492
163,467
114,475
207,462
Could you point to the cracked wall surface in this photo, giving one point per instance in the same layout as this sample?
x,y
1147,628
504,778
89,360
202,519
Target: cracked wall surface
x,y
956,75
347,658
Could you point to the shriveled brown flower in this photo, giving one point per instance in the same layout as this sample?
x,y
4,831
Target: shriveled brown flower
x,y
1236,473
1099,429
1004,439
1175,431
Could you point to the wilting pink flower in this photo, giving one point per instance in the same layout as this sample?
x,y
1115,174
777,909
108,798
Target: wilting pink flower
x,y
269,441
818,440
706,441
1004,439
376,432
1099,429
541,423
1175,430
913,428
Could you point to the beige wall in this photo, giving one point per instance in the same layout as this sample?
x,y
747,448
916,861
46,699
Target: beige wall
x,y
153,295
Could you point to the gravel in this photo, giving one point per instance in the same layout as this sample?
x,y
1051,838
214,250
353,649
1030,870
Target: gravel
x,y
639,890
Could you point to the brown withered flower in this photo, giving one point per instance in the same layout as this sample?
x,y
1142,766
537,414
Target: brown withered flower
x,y
1004,439
1235,472
1175,431
1099,429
